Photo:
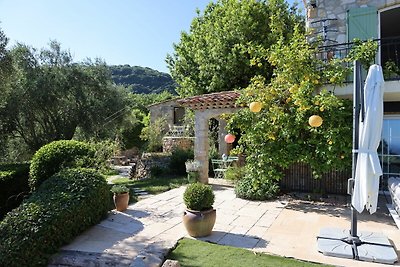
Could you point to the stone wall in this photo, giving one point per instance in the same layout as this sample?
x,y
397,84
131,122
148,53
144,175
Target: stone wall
x,y
329,9
183,143
143,167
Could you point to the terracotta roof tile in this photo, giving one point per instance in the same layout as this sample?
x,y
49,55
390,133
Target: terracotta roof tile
x,y
217,100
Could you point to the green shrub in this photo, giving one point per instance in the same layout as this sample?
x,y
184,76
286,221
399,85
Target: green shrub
x,y
256,189
13,185
198,196
235,173
63,206
119,189
51,158
178,159
157,171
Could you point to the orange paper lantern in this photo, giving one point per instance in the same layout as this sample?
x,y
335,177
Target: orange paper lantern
x,y
315,121
230,138
255,107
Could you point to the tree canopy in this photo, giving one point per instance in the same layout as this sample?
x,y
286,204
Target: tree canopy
x,y
221,49
49,96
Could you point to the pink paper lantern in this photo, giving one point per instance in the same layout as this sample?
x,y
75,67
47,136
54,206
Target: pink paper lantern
x,y
230,138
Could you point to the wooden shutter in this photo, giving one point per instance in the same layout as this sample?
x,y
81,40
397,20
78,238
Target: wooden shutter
x,y
362,23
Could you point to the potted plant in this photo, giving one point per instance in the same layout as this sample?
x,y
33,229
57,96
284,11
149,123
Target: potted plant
x,y
199,216
192,169
121,197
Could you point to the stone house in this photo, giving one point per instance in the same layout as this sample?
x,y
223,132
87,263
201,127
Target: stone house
x,y
170,110
338,23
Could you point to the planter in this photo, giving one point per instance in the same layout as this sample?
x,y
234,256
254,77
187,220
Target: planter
x,y
121,201
199,223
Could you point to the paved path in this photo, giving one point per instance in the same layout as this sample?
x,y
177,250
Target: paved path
x,y
143,235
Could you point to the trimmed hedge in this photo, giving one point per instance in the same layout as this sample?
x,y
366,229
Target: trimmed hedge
x,y
64,206
13,185
51,158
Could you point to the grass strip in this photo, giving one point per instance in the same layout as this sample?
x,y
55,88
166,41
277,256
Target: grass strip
x,y
195,253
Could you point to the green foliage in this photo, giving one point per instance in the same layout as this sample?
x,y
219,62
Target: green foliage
x,y
178,159
221,50
198,196
119,189
104,150
63,207
391,70
141,80
279,135
153,134
364,51
157,171
49,97
13,185
154,185
256,189
52,157
235,173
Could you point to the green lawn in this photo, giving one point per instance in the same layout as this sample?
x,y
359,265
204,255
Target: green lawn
x,y
194,253
154,185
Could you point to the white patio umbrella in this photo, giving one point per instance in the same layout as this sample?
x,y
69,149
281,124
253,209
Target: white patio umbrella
x,y
368,169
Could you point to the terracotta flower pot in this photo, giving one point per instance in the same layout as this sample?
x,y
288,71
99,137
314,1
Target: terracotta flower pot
x,y
199,223
121,201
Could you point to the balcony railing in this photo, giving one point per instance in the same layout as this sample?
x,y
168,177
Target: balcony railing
x,y
388,55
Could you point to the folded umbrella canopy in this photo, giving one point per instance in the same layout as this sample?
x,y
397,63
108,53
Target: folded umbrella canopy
x,y
368,168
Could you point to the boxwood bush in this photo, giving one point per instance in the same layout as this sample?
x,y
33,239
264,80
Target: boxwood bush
x,y
198,197
13,185
64,205
51,158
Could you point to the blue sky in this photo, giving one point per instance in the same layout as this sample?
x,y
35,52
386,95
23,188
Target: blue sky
x,y
135,32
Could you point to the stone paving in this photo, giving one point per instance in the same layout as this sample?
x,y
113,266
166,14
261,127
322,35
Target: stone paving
x,y
143,234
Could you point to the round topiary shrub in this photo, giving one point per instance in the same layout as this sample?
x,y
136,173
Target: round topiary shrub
x,y
64,206
198,197
51,158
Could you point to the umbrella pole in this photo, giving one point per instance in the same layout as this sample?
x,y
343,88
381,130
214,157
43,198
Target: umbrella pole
x,y
357,103
336,242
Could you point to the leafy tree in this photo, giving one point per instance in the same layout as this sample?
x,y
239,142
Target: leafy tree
x,y
131,128
50,96
220,52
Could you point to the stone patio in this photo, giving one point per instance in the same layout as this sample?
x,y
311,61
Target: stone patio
x,y
143,235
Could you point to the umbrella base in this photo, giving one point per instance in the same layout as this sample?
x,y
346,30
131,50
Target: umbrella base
x,y
369,246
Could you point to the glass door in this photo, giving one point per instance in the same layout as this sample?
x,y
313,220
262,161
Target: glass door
x,y
389,149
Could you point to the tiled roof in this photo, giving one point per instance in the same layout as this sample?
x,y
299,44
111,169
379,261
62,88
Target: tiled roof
x,y
217,100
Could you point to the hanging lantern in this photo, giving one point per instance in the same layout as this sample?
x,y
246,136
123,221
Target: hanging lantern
x,y
255,107
315,121
229,138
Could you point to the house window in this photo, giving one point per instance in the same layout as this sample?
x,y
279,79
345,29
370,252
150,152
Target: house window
x,y
389,149
179,114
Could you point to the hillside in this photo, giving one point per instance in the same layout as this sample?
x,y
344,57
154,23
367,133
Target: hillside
x,y
142,80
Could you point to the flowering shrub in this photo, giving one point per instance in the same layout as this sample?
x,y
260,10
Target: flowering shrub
x,y
279,135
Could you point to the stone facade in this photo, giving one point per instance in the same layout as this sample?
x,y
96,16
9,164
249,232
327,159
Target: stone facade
x,y
329,9
168,110
172,143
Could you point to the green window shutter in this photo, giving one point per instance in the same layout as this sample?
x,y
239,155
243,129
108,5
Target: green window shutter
x,y
362,23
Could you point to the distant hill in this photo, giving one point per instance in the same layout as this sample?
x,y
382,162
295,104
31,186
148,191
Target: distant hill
x,y
142,80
